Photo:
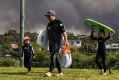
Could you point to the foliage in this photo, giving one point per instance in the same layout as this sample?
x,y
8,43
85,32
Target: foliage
x,y
9,62
88,46
83,57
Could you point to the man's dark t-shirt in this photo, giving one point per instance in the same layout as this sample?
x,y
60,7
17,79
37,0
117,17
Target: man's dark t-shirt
x,y
55,29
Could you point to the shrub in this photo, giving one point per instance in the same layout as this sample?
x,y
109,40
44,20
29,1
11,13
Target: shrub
x,y
83,61
10,62
43,57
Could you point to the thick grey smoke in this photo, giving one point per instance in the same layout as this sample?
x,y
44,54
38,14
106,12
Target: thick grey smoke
x,y
71,12
9,15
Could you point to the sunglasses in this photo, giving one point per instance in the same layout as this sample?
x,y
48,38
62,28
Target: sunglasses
x,y
48,15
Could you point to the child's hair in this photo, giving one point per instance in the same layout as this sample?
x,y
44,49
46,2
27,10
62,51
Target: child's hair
x,y
26,38
102,30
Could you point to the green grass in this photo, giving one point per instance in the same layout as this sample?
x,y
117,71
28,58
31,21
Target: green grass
x,y
14,73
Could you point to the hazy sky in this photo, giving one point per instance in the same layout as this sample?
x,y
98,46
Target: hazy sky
x,y
71,12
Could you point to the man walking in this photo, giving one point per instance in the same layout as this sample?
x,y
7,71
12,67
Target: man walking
x,y
55,29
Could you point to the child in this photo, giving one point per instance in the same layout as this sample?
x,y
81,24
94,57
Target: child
x,y
101,51
28,54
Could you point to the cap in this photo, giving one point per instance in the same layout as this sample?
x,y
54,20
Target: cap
x,y
50,12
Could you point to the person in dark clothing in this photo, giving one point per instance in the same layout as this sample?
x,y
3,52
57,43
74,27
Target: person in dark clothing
x,y
28,52
101,51
55,29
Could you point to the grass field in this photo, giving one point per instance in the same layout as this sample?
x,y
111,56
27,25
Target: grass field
x,y
69,74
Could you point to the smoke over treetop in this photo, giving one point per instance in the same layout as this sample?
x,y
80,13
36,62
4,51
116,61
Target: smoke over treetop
x,y
71,12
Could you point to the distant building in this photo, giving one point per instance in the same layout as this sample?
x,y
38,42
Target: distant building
x,y
75,39
75,43
113,46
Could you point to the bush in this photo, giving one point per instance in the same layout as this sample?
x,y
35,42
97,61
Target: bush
x,y
10,62
113,60
83,57
80,60
43,57
83,61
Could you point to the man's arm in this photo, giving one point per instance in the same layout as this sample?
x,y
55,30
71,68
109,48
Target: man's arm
x,y
62,28
65,38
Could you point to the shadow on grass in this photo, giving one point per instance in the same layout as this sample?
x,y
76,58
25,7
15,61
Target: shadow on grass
x,y
23,73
